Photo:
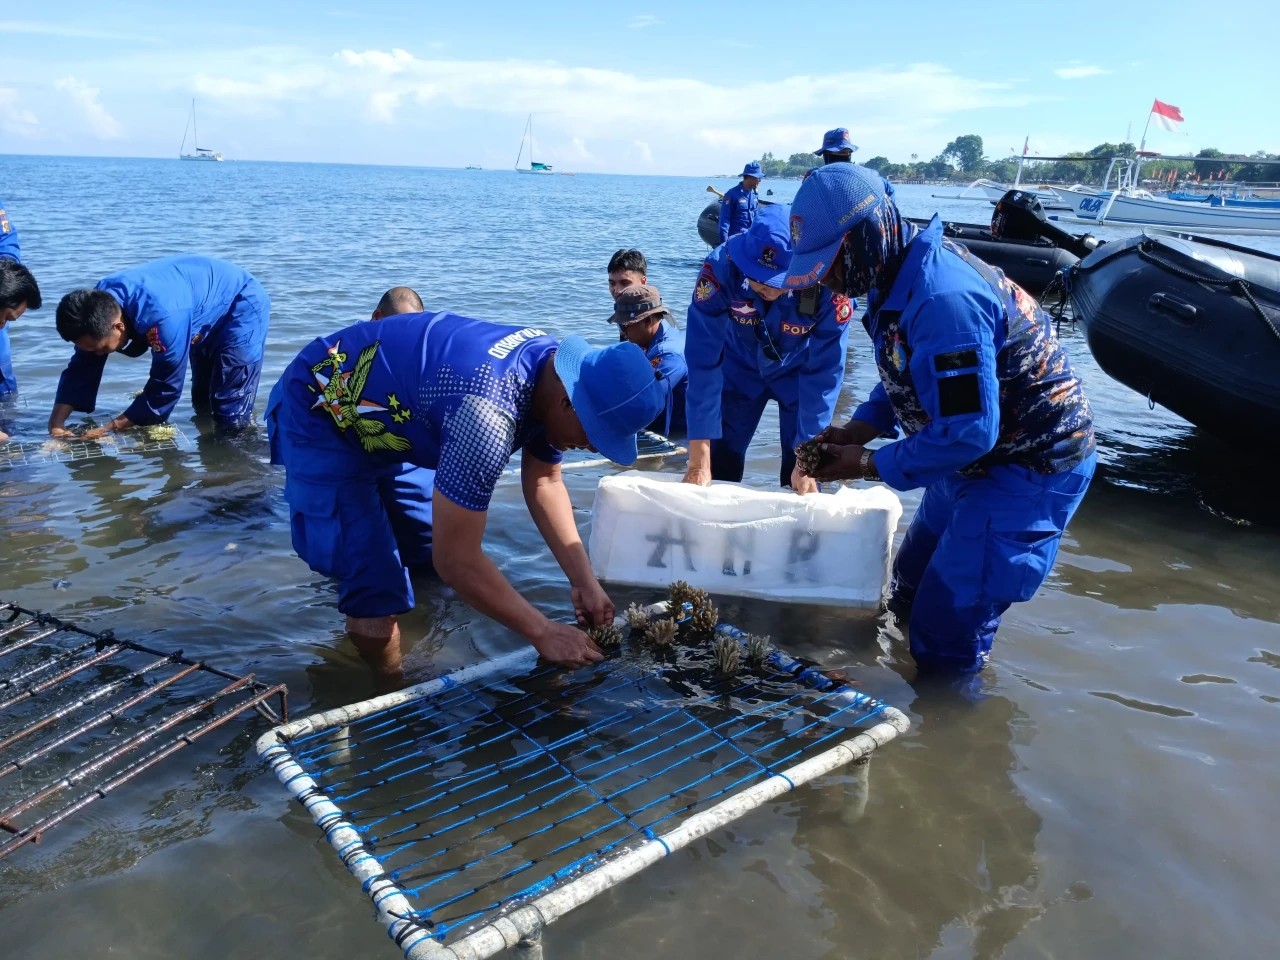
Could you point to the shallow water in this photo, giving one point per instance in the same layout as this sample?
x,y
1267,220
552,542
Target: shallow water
x,y
1110,794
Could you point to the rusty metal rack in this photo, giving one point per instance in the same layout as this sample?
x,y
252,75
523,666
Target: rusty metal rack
x,y
82,713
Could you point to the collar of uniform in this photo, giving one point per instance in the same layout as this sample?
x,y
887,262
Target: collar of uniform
x,y
919,247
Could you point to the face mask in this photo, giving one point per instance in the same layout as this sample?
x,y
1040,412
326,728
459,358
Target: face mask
x,y
873,250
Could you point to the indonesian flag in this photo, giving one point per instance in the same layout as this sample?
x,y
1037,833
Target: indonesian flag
x,y
1168,115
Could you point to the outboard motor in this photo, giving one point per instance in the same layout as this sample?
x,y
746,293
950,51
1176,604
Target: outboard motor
x,y
1020,216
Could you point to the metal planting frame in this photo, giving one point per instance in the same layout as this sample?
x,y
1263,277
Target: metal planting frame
x,y
487,763
82,713
19,453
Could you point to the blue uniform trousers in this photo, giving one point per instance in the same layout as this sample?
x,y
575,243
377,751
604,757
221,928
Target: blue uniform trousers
x,y
739,416
225,369
366,525
975,547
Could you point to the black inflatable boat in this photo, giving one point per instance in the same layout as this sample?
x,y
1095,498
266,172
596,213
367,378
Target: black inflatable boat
x,y
1031,264
1191,323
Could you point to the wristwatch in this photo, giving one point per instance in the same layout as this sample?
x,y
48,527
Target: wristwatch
x,y
868,466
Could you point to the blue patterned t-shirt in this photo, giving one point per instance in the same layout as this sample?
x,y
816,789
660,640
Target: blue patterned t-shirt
x,y
433,389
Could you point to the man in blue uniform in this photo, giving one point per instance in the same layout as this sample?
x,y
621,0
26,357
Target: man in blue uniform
x,y
396,301
996,426
406,490
184,310
18,293
836,147
749,341
458,396
643,319
738,206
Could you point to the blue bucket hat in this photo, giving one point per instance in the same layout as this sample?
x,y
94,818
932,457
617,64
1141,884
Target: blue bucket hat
x,y
614,391
833,141
829,203
753,169
763,250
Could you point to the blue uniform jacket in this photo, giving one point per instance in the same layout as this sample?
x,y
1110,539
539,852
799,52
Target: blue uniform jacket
x,y
737,211
432,389
666,353
170,305
970,370
9,250
735,337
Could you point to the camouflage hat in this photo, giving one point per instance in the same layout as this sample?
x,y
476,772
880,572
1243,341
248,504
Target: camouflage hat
x,y
637,302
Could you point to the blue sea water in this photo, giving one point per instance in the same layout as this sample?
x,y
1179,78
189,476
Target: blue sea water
x,y
1109,796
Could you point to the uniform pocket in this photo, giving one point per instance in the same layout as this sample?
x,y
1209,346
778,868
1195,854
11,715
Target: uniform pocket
x,y
315,524
1017,563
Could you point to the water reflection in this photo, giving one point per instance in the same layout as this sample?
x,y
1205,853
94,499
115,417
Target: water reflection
x,y
1189,466
912,877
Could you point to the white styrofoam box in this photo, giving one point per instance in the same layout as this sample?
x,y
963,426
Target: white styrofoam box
x,y
648,529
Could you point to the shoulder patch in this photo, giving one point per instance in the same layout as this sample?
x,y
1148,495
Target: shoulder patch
x,y
844,308
706,287
956,360
154,341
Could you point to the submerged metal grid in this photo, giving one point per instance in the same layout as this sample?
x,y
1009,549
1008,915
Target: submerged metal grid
x,y
18,453
82,713
479,807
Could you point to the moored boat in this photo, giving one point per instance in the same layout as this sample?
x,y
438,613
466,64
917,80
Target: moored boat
x,y
534,166
200,153
1129,204
1190,323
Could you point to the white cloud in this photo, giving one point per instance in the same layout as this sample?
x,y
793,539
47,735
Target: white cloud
x,y
42,28
102,123
586,104
1080,70
644,150
297,102
642,20
15,119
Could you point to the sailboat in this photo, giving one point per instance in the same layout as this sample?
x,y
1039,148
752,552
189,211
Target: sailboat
x,y
534,166
991,191
201,153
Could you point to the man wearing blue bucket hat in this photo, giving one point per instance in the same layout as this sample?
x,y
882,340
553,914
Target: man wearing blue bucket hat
x,y
749,341
996,427
738,206
836,147
457,396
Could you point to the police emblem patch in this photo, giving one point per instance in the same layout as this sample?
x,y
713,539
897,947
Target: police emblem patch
x,y
844,308
796,226
767,258
706,287
154,341
897,355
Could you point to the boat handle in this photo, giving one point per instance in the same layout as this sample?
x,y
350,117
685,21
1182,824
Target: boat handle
x,y
1180,310
1037,261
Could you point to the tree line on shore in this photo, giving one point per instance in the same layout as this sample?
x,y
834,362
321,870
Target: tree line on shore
x,y
963,159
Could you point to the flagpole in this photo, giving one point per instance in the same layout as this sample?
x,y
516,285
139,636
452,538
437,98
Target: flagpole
x,y
1143,145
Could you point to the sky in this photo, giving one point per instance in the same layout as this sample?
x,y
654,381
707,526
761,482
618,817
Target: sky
x,y
653,87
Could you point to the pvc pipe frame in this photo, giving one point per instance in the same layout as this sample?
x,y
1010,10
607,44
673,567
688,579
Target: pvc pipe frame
x,y
523,926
